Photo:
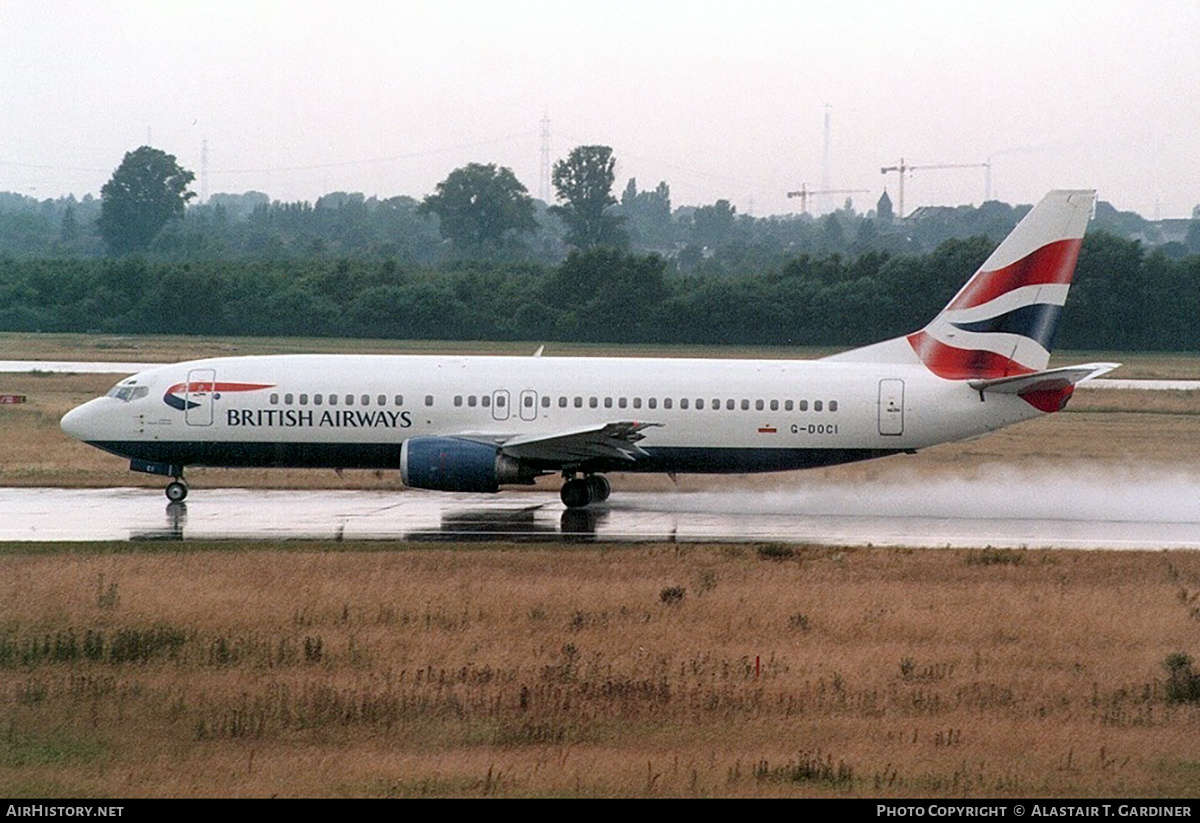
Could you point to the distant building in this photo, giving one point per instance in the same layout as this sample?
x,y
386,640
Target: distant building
x,y
1161,232
883,209
932,213
1174,230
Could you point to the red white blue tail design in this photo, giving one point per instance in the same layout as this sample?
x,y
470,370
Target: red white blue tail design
x,y
1002,322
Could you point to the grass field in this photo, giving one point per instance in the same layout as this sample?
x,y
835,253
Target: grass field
x,y
372,670
391,670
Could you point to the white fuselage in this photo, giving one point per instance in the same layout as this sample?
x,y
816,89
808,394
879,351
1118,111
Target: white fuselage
x,y
349,411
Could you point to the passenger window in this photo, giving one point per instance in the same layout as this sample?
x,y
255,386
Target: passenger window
x,y
381,399
429,400
745,404
803,405
365,399
578,402
833,405
716,404
623,402
472,400
787,405
593,402
545,401
349,400
817,405
528,402
666,402
683,403
758,405
774,405
485,401
637,402
318,399
274,400
501,401
304,400
333,399
287,399
608,402
652,402
458,400
399,399
562,402
699,404
729,404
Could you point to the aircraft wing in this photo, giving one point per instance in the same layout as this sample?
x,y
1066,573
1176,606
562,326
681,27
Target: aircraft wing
x,y
615,441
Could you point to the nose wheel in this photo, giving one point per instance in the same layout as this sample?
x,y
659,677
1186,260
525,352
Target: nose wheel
x,y
176,491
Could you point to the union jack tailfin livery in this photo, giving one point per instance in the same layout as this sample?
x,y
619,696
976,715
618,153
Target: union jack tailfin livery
x,y
1001,323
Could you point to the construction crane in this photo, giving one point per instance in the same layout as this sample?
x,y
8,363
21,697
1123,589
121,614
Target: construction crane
x,y
804,194
903,168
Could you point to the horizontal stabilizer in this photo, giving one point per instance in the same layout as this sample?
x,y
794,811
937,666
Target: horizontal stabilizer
x,y
1048,389
1047,379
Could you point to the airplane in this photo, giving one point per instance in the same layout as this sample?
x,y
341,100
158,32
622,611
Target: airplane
x,y
474,424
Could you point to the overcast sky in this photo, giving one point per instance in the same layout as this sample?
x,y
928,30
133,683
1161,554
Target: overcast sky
x,y
720,99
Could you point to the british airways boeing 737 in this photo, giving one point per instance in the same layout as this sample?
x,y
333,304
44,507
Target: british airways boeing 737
x,y
473,424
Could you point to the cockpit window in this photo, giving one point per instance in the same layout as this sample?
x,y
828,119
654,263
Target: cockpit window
x,y
128,393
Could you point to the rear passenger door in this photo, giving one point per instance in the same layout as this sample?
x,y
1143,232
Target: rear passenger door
x,y
891,407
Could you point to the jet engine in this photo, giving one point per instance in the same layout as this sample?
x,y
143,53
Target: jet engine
x,y
452,464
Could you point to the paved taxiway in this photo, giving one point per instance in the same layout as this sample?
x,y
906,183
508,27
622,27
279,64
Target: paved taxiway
x,y
1001,508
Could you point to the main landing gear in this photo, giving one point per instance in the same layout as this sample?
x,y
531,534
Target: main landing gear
x,y
579,492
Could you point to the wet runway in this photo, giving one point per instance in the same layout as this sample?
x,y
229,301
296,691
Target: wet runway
x,y
1000,508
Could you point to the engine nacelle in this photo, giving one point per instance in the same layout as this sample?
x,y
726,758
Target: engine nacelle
x,y
451,464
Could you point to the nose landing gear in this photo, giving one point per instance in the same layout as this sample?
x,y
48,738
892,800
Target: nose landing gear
x,y
579,492
176,490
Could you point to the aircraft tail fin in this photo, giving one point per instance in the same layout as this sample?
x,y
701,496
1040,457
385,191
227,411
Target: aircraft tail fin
x,y
1002,322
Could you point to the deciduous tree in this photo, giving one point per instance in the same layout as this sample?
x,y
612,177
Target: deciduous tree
x,y
480,206
584,181
146,191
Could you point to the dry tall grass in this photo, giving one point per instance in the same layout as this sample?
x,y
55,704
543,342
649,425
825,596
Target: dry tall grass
x,y
397,671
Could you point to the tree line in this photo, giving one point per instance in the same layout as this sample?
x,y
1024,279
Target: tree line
x,y
481,211
1124,297
479,258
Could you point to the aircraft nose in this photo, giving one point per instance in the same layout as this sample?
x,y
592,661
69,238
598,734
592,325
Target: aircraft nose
x,y
79,422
